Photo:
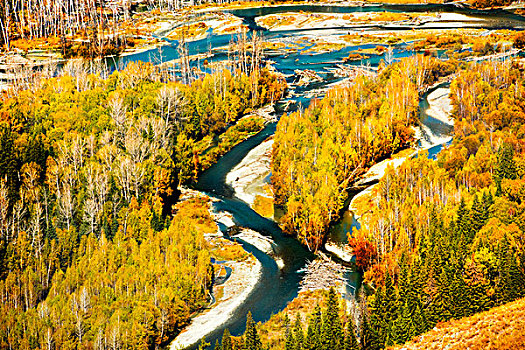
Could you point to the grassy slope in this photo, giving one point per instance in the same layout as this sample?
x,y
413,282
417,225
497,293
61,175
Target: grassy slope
x,y
502,327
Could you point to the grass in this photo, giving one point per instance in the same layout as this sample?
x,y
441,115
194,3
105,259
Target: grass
x,y
324,47
501,328
230,251
192,31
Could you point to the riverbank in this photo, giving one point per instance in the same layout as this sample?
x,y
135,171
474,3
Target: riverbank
x,y
439,108
235,290
228,296
302,20
248,177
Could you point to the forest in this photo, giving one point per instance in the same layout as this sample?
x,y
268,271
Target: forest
x,y
446,237
90,254
321,151
439,239
99,249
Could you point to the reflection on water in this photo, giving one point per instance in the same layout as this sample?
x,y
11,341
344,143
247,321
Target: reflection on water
x,y
340,231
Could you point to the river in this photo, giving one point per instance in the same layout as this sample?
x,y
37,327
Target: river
x,y
277,287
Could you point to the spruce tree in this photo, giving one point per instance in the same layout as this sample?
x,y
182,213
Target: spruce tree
x,y
374,330
460,303
314,330
369,339
389,309
226,343
506,167
477,215
9,164
440,308
217,345
486,202
403,328
298,334
251,337
289,340
511,283
350,338
332,331
463,227
203,345
308,341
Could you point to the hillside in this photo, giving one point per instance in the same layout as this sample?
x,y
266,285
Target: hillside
x,y
502,327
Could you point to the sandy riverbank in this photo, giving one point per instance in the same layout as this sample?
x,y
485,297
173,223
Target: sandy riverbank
x,y
245,275
247,178
236,289
440,109
303,20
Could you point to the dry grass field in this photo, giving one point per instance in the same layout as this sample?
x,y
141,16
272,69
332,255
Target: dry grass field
x,y
501,328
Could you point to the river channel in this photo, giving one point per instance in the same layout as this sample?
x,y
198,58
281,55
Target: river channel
x,y
277,287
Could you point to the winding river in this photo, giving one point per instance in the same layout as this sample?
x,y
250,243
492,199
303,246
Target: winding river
x,y
277,287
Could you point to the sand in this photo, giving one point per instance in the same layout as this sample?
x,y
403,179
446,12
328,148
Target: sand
x,y
243,279
247,177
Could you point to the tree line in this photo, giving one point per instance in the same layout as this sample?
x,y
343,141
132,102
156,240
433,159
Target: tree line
x,y
319,152
327,328
445,237
90,254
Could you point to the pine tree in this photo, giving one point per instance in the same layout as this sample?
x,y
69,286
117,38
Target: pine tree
x,y
313,338
487,201
506,167
460,305
373,330
9,164
511,283
440,309
477,215
217,345
403,328
251,337
289,340
298,334
463,227
350,338
332,331
389,309
369,339
226,343
203,345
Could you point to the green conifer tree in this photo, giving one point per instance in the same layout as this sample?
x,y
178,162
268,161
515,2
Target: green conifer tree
x,y
464,231
298,334
289,340
389,309
251,337
477,215
204,344
350,337
369,339
506,167
332,331
314,330
226,342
